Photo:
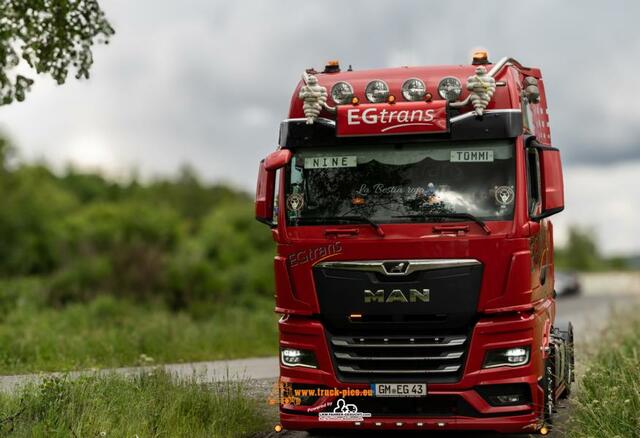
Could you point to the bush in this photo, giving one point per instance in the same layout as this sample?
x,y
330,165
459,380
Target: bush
x,y
195,246
581,253
33,209
229,260
120,248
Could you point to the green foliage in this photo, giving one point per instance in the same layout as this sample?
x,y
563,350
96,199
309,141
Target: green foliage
x,y
192,246
152,404
6,150
51,36
112,332
33,207
230,255
608,400
581,253
95,272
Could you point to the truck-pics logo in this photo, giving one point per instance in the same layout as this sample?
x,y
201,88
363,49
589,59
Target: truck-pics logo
x,y
396,296
343,412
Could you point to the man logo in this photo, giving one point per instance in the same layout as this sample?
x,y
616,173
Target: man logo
x,y
396,268
396,296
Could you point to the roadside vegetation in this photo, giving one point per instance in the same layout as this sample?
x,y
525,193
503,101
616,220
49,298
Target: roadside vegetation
x,y
107,331
150,405
99,273
581,253
607,403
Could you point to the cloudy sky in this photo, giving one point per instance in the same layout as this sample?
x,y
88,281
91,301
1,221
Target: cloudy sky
x,y
207,82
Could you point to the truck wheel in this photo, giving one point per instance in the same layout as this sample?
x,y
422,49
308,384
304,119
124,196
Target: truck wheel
x,y
570,364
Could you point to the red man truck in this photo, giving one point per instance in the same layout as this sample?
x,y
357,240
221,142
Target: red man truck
x,y
414,269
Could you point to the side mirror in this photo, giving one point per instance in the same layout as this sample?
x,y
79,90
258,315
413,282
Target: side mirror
x,y
277,160
265,188
551,181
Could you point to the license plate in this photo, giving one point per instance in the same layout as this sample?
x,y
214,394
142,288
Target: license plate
x,y
399,389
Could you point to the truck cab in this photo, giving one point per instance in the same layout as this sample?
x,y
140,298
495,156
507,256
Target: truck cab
x,y
414,269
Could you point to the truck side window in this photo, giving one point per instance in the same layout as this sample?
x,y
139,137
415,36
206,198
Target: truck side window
x,y
533,179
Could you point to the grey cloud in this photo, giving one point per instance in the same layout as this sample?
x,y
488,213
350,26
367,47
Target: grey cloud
x,y
178,79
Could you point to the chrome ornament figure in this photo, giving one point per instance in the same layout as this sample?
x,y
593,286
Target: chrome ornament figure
x,y
481,87
314,96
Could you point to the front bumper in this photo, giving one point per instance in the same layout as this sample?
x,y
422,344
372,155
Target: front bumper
x,y
470,412
516,424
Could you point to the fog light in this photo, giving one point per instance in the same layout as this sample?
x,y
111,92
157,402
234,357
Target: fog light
x,y
508,399
293,357
511,394
510,357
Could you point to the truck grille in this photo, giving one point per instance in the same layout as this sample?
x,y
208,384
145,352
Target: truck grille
x,y
437,359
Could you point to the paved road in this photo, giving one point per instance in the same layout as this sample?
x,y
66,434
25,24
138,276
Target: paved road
x,y
259,369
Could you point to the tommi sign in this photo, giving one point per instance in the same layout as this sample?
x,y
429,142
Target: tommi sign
x,y
472,156
399,118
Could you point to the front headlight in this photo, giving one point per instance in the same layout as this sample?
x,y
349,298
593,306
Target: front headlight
x,y
509,357
292,357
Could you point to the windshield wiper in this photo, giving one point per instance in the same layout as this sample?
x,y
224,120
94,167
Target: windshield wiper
x,y
467,216
348,219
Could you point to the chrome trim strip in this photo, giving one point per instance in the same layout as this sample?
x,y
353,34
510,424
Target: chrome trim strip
x,y
349,356
473,114
453,342
447,369
414,265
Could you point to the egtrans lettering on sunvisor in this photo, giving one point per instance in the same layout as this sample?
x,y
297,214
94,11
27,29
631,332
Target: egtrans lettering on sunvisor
x,y
399,118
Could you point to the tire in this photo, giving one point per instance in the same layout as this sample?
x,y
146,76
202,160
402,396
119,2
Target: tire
x,y
570,361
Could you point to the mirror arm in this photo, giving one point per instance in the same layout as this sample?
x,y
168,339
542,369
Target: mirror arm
x,y
546,213
531,142
265,221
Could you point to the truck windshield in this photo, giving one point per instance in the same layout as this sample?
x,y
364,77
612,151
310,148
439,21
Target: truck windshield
x,y
404,182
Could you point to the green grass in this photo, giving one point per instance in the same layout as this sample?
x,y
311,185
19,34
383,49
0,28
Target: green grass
x,y
151,405
110,332
608,399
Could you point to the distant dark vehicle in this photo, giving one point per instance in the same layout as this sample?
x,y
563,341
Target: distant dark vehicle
x,y
567,283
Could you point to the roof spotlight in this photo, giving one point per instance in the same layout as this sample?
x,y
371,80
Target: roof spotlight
x,y
342,92
450,88
377,91
413,89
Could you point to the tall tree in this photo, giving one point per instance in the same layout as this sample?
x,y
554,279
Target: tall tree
x,y
52,37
